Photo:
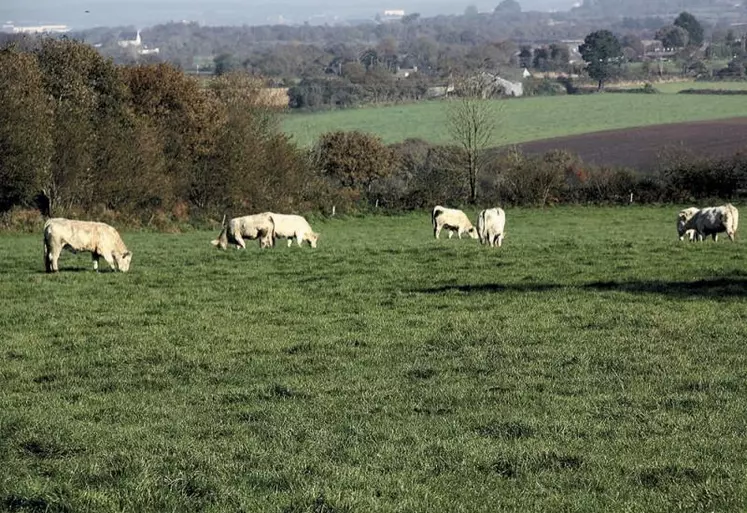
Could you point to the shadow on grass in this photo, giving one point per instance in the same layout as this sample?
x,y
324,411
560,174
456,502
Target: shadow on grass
x,y
712,287
730,286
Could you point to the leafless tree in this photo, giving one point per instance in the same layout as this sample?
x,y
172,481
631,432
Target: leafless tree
x,y
472,119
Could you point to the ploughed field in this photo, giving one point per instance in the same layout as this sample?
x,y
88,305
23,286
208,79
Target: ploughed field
x,y
646,148
593,363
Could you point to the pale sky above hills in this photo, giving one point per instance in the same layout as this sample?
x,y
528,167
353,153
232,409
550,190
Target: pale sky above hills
x,y
143,13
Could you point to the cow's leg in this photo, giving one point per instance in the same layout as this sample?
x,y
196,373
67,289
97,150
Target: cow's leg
x,y
95,258
47,258
436,231
451,233
731,236
110,260
500,240
459,233
54,256
240,242
290,241
715,237
299,239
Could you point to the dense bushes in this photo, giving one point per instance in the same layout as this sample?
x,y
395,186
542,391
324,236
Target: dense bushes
x,y
148,146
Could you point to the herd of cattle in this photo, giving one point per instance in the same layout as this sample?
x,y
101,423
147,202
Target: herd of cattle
x,y
102,240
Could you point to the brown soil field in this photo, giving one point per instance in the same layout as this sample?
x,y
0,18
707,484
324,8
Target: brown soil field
x,y
640,148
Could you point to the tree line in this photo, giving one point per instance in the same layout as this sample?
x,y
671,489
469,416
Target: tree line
x,y
83,137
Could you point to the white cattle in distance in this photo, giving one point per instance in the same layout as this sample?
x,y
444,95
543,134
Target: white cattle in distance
x,y
290,226
100,239
257,226
453,220
491,224
682,219
710,221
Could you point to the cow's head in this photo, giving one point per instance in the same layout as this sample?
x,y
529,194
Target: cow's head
x,y
313,237
473,232
682,218
123,261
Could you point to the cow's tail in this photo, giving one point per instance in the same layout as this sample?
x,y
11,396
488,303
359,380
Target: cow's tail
x,y
47,260
222,240
481,226
272,232
436,211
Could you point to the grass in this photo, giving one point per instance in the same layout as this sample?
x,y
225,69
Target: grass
x,y
521,120
676,87
594,363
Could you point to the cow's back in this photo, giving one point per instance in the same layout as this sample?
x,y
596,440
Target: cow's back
x,y
251,226
289,225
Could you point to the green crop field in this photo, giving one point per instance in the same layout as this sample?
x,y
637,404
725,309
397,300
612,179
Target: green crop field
x,y
521,120
676,87
594,363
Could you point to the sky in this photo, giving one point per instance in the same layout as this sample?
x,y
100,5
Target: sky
x,y
144,13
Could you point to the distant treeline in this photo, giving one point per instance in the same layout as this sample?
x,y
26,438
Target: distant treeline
x,y
147,144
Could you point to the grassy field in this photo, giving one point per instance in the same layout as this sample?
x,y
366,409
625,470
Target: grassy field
x,y
521,120
594,363
676,87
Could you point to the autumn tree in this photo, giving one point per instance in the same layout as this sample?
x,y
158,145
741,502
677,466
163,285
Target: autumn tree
x,y
181,115
25,137
353,159
236,173
70,73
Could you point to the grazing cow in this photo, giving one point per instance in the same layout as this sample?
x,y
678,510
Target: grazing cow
x,y
710,221
682,219
100,239
293,227
257,226
491,224
453,220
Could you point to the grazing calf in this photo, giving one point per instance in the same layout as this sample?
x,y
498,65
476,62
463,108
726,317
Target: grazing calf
x,y
710,221
257,226
100,239
288,226
453,220
491,224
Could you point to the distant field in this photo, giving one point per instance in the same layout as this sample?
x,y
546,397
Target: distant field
x,y
641,148
522,120
675,87
594,363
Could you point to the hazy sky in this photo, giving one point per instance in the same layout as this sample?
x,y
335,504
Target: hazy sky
x,y
143,13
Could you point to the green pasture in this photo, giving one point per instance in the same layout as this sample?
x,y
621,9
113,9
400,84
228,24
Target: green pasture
x,y
594,363
521,120
676,87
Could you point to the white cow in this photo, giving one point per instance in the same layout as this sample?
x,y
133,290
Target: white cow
x,y
453,220
100,239
711,221
257,226
491,224
288,226
682,219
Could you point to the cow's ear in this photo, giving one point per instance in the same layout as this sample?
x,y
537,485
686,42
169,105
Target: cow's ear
x,y
126,254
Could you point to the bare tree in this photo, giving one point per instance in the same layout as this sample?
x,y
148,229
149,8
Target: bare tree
x,y
472,120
